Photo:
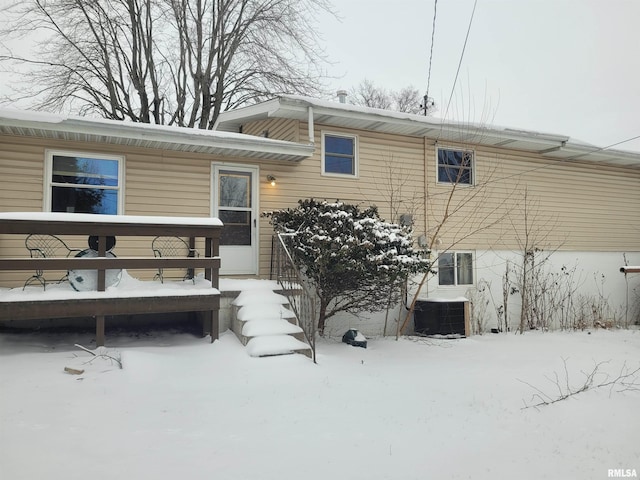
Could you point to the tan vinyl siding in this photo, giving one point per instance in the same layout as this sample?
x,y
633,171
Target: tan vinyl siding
x,y
579,206
571,205
21,174
156,182
277,128
167,183
377,154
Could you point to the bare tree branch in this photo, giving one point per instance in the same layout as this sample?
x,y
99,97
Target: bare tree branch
x,y
179,62
626,380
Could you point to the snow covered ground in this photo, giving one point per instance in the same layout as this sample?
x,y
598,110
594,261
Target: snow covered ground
x,y
182,408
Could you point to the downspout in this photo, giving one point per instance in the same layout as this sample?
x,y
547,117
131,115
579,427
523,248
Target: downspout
x,y
312,138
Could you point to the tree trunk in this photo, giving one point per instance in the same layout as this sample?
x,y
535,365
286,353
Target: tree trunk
x,y
322,317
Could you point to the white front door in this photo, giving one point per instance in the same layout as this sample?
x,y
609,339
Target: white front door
x,y
235,202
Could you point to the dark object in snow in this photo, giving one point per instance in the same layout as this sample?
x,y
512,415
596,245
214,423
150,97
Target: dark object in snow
x,y
496,330
355,338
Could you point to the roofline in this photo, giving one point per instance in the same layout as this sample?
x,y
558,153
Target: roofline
x,y
161,136
285,105
549,145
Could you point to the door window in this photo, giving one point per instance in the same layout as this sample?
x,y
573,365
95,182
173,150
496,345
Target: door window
x,y
234,207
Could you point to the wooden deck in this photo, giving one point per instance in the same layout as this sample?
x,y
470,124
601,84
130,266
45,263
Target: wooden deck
x,y
103,303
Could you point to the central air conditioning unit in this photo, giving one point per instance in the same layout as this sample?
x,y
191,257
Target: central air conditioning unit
x,y
442,317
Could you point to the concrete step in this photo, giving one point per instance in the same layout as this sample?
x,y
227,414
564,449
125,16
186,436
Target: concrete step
x,y
276,345
264,324
267,311
257,328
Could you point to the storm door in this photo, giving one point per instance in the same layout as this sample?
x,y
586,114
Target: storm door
x,y
235,203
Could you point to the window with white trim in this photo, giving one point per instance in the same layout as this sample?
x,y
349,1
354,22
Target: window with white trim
x,y
455,268
455,166
339,154
84,183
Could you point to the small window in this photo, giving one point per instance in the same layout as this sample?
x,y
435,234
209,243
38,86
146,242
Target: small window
x,y
339,155
455,268
84,183
455,166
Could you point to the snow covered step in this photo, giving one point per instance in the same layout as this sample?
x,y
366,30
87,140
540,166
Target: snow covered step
x,y
260,297
276,345
257,328
264,324
263,311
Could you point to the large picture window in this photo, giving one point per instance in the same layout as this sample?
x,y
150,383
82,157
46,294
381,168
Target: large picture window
x,y
339,154
455,166
81,183
455,268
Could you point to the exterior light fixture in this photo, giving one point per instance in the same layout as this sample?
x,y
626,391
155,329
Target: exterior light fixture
x,y
272,180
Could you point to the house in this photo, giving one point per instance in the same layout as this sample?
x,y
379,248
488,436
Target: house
x,y
494,186
66,164
483,199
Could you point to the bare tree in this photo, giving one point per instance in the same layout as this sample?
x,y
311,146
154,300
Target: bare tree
x,y
175,62
461,213
532,232
407,99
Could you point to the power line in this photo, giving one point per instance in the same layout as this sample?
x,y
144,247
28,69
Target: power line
x,y
433,33
466,39
552,164
603,148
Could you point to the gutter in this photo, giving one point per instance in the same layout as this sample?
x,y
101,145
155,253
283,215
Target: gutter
x,y
312,138
161,134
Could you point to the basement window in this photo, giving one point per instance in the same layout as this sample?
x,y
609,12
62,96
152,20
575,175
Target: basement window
x,y
455,268
81,183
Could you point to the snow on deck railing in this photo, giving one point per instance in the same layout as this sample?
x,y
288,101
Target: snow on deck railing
x,y
628,269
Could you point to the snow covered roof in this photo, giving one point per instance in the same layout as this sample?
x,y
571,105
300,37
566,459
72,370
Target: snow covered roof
x,y
385,121
60,127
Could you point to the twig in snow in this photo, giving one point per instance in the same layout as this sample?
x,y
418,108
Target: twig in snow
x,y
627,380
100,355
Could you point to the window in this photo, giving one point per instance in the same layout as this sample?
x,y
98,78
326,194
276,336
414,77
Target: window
x,y
455,166
339,154
79,183
455,268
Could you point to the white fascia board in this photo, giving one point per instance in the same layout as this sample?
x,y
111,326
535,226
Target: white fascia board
x,y
152,133
296,105
589,153
237,117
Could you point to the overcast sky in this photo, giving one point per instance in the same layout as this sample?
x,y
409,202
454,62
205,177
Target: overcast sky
x,y
569,67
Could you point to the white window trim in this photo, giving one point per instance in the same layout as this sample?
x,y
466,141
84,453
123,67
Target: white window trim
x,y
356,168
455,269
48,173
473,166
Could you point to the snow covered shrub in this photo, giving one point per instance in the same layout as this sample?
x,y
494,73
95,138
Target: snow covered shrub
x,y
356,261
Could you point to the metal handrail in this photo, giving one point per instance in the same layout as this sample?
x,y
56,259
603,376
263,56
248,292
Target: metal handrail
x,y
297,290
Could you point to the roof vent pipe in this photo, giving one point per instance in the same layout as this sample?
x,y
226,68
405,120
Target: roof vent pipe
x,y
342,96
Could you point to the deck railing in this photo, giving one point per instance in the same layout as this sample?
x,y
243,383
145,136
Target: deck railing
x,y
297,289
102,227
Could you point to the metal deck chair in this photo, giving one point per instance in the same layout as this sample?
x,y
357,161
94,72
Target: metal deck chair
x,y
46,246
173,247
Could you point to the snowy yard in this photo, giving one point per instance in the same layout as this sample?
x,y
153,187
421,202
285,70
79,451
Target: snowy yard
x,y
181,408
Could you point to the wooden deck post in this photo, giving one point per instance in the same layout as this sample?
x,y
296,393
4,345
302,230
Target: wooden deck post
x,y
99,330
215,325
